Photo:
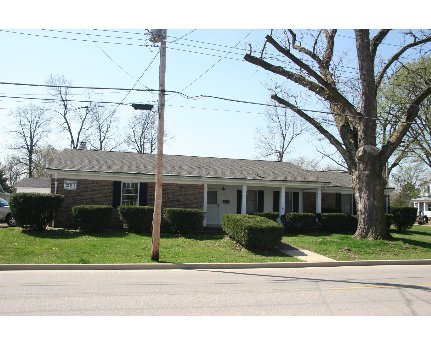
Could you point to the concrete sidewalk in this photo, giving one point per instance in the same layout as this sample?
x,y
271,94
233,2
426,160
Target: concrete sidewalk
x,y
303,254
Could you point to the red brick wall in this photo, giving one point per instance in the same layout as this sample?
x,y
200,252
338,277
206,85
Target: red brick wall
x,y
179,195
90,192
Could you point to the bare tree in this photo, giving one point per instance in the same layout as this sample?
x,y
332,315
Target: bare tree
x,y
74,120
14,169
143,132
310,67
280,131
43,156
32,125
100,135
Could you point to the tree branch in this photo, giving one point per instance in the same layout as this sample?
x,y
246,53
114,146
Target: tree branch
x,y
334,141
377,39
406,122
335,94
303,49
396,56
296,78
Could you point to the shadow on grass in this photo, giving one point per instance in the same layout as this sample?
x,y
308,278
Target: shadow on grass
x,y
411,232
317,233
411,242
71,233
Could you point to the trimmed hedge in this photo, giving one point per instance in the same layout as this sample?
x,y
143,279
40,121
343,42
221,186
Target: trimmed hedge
x,y
270,215
183,220
404,217
137,218
91,217
389,219
300,222
251,231
338,222
35,210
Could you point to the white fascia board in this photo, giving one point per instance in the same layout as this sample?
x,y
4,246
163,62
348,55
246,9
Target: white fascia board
x,y
136,177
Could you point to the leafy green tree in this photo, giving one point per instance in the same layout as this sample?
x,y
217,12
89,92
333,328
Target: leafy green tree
x,y
395,96
306,60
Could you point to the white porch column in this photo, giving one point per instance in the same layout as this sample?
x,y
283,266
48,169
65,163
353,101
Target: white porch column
x,y
282,207
301,201
205,206
319,200
244,200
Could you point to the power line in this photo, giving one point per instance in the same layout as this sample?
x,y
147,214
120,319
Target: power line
x,y
208,69
222,99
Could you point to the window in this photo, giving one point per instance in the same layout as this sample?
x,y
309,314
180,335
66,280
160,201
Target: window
x,y
251,201
129,194
429,206
212,197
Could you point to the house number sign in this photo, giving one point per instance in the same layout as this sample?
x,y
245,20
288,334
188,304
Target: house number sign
x,y
70,185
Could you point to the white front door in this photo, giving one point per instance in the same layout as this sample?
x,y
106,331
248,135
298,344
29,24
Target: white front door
x,y
213,213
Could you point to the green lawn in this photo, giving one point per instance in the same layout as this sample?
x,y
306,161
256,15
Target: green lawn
x,y
60,246
411,244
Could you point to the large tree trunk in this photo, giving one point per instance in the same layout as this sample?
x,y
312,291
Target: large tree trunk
x,y
369,182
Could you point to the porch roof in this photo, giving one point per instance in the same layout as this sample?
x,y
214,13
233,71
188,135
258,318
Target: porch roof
x,y
92,161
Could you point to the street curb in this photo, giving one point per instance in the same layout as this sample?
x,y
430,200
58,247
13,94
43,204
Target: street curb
x,y
193,266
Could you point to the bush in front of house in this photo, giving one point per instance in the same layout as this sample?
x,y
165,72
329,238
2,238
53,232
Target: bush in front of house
x,y
338,222
91,217
251,231
183,220
389,220
35,211
270,215
404,217
137,218
300,222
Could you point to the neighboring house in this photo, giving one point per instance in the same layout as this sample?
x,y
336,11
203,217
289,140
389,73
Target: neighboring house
x,y
423,202
216,185
33,185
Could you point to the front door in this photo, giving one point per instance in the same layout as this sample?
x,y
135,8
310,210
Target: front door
x,y
213,213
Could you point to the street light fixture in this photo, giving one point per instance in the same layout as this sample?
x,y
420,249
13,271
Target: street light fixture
x,y
138,106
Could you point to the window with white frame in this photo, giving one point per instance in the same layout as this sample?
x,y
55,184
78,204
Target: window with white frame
x,y
130,194
429,206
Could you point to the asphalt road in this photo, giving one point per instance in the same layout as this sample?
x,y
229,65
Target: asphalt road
x,y
375,290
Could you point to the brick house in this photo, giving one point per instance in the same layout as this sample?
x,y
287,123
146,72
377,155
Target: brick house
x,y
216,185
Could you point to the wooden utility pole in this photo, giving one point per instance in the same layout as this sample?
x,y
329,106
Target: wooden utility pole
x,y
157,216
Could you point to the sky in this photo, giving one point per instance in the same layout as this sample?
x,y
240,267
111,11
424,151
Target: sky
x,y
204,57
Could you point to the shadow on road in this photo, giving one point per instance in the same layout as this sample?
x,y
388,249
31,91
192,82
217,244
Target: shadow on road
x,y
286,279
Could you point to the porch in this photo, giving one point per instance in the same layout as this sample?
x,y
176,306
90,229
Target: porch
x,y
248,199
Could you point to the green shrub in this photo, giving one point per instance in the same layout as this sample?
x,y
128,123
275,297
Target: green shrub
x,y
183,220
270,215
338,222
137,218
35,210
91,217
300,222
389,220
251,231
404,217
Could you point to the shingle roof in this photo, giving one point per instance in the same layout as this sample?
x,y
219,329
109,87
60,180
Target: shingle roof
x,y
337,178
34,182
185,166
